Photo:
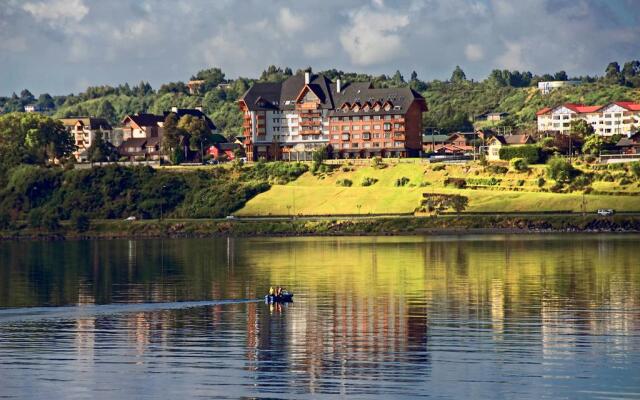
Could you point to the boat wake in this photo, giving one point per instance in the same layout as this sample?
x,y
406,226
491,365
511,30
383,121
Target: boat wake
x,y
84,311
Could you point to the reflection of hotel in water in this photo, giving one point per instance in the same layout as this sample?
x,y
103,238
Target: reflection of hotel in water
x,y
324,336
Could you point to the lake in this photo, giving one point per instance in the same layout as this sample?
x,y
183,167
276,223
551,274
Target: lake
x,y
520,316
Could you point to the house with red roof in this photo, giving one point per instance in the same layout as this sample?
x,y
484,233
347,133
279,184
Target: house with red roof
x,y
621,117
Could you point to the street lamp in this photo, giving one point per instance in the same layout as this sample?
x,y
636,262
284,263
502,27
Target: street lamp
x,y
162,200
359,206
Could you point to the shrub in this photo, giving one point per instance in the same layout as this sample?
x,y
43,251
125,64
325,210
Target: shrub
x,y
561,170
493,181
634,167
34,219
496,169
439,202
557,187
439,167
377,163
458,183
590,159
80,221
531,153
519,164
5,220
344,182
625,181
368,181
520,182
541,182
402,181
50,220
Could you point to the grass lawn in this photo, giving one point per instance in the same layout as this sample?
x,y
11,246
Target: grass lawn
x,y
313,195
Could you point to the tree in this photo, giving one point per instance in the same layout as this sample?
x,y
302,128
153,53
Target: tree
x,y
593,144
397,78
26,97
560,169
459,203
106,111
171,134
612,73
32,138
45,101
580,129
458,75
414,76
198,132
101,150
561,76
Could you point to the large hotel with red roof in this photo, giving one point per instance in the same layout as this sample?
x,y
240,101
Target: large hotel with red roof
x,y
622,117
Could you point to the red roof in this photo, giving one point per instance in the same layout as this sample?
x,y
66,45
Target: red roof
x,y
581,108
629,105
543,111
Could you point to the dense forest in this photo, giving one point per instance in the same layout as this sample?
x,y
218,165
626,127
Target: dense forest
x,y
452,103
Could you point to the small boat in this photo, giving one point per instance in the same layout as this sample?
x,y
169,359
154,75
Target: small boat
x,y
285,297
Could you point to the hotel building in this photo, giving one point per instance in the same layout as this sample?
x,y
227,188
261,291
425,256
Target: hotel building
x,y
288,120
622,117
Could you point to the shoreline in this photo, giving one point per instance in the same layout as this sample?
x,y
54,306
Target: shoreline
x,y
387,226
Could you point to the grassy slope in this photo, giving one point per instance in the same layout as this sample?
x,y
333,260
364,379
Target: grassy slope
x,y
311,195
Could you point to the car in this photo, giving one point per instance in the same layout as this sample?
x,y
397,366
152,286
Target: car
x,y
131,218
231,217
605,211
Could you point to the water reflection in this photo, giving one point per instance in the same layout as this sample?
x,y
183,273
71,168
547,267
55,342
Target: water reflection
x,y
525,316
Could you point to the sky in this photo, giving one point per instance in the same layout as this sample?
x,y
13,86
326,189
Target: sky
x,y
63,46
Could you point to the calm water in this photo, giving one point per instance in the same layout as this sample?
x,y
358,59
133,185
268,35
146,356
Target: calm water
x,y
448,317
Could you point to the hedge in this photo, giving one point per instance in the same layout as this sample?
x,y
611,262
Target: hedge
x,y
533,154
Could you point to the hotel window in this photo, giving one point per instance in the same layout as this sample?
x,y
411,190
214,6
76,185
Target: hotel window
x,y
294,129
345,145
345,136
335,128
376,118
355,145
607,115
387,117
366,127
367,145
345,118
376,136
366,136
376,127
345,127
335,118
356,127
335,137
397,126
387,135
366,118
355,118
325,137
399,144
387,127
388,144
397,116
376,144
355,136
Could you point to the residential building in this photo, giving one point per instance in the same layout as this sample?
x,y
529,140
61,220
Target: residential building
x,y
142,126
30,108
289,120
630,145
492,116
226,149
548,86
84,131
194,86
143,132
495,143
622,117
432,143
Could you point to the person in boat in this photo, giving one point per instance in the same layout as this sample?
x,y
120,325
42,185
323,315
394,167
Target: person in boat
x,y
278,291
271,291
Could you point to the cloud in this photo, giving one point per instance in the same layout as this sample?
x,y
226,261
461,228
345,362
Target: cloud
x,y
56,10
512,57
473,52
290,22
46,44
373,36
318,49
